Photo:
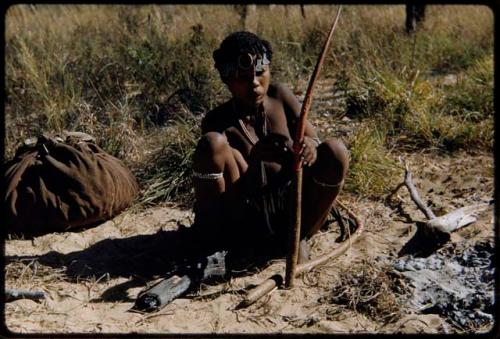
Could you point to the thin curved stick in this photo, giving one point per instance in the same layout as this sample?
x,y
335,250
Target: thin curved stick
x,y
306,105
293,242
276,280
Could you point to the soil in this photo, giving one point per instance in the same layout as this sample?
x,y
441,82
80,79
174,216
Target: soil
x,y
91,278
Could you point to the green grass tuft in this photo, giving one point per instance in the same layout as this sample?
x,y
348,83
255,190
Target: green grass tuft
x,y
373,171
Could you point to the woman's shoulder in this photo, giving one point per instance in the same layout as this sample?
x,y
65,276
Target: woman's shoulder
x,y
279,91
217,119
284,94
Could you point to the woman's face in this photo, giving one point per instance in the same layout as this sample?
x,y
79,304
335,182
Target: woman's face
x,y
250,87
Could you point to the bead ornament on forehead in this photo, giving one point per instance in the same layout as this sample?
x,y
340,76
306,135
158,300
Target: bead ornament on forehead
x,y
244,63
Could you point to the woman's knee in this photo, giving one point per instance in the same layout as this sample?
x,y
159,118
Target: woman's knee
x,y
212,148
212,143
333,157
338,153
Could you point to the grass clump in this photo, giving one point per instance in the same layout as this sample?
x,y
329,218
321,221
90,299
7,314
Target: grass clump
x,y
369,289
414,112
472,97
167,174
372,170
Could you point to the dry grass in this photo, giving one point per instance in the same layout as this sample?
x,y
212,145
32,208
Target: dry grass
x,y
167,174
31,275
128,74
370,290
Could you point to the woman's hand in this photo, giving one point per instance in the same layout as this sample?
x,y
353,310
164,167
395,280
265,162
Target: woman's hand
x,y
273,147
309,154
278,148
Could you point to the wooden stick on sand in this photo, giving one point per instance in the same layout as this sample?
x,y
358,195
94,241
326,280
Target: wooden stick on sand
x,y
293,245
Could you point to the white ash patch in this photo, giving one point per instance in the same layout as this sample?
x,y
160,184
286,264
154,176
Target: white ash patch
x,y
456,282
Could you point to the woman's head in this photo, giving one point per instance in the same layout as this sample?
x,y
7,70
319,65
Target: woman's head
x,y
239,44
243,61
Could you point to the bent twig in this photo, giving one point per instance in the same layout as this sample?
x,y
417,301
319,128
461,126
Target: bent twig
x,y
416,197
436,231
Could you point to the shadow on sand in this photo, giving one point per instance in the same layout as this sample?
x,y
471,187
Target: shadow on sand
x,y
144,257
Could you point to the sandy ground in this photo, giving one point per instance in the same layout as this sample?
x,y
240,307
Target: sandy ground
x,y
91,278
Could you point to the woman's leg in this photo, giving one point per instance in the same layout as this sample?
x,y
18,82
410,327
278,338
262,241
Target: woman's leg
x,y
216,168
321,184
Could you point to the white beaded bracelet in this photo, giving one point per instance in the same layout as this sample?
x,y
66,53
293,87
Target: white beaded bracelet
x,y
208,176
324,184
317,140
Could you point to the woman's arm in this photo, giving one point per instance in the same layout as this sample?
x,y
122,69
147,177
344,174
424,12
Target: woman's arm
x,y
292,109
217,120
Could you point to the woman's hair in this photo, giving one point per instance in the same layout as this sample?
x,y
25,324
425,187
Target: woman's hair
x,y
239,43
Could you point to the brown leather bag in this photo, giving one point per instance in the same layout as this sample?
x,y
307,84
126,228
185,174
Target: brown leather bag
x,y
61,182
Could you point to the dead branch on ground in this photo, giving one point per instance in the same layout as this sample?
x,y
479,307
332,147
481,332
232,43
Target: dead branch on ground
x,y
437,230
